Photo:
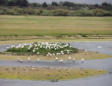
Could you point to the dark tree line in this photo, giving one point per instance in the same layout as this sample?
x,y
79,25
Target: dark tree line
x,y
23,3
68,4
23,7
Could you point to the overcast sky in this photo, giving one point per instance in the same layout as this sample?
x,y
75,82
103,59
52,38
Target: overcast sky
x,y
76,1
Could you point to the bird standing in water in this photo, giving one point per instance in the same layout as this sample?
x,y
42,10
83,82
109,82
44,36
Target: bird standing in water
x,y
82,60
19,60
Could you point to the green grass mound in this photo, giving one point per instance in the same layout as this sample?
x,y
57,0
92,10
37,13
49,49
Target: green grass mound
x,y
43,48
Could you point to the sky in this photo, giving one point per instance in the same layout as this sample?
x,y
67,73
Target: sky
x,y
75,1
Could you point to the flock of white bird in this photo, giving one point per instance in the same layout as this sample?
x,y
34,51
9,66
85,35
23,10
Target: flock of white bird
x,y
56,60
35,48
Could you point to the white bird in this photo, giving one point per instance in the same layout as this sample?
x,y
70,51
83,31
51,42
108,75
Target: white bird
x,y
69,57
99,46
19,60
56,59
82,60
33,67
61,61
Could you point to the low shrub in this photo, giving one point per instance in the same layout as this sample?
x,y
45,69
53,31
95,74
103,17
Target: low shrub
x,y
43,48
54,12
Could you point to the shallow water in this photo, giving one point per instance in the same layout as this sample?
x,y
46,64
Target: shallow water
x,y
102,47
104,80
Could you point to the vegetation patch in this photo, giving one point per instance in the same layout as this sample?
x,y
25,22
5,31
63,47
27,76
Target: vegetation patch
x,y
59,27
64,8
52,74
43,48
